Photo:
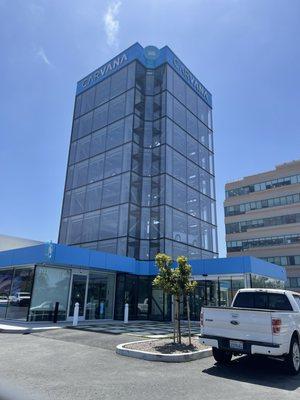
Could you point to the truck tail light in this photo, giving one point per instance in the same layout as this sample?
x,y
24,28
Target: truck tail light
x,y
201,318
276,325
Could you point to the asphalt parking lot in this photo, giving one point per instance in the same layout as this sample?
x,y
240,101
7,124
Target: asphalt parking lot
x,y
69,365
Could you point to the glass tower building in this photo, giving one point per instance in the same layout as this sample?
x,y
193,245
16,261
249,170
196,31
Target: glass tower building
x,y
140,173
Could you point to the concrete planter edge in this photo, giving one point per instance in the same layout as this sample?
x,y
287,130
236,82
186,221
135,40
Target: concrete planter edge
x,y
169,358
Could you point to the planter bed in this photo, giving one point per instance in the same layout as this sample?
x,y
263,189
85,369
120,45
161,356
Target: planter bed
x,y
165,350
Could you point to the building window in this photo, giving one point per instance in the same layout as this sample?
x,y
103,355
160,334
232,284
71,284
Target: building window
x,y
50,286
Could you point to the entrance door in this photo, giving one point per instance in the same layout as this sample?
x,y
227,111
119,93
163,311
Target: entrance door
x,y
97,301
78,294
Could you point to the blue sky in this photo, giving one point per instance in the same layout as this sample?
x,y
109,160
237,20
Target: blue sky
x,y
247,53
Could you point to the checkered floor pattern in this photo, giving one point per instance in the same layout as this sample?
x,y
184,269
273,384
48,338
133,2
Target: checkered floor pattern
x,y
144,328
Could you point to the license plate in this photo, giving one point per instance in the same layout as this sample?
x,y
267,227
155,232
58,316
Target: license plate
x,y
236,344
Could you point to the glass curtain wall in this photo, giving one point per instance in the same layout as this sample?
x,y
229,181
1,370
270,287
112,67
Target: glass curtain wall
x,y
146,216
190,214
96,198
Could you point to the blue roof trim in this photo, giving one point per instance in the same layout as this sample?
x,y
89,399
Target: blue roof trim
x,y
74,257
150,57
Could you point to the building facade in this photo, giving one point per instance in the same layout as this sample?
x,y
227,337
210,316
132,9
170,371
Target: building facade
x,y
140,173
262,218
43,283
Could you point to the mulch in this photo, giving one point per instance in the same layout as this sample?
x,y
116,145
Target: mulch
x,y
166,346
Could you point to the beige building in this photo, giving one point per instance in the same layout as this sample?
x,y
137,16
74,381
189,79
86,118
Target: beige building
x,y
262,218
12,242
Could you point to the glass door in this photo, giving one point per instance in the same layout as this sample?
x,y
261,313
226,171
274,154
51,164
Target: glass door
x,y
100,296
78,294
96,300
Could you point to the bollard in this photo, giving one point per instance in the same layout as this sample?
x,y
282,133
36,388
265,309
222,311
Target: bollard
x,y
55,314
101,309
76,314
126,312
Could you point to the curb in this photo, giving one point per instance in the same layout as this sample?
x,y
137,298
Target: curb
x,y
23,331
171,358
16,331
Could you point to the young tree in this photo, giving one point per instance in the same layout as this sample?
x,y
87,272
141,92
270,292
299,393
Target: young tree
x,y
176,282
187,286
165,279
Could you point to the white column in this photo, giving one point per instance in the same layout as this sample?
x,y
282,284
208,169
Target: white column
x,y
126,312
76,314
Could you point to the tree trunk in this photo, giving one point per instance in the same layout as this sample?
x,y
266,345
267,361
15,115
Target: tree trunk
x,y
178,315
174,319
189,317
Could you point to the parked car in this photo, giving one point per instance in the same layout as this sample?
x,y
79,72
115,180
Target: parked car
x,y
143,307
44,306
3,300
20,298
259,321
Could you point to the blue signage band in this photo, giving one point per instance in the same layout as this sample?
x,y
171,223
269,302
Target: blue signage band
x,y
150,57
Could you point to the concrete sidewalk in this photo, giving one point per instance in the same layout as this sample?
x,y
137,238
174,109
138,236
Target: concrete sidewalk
x,y
140,328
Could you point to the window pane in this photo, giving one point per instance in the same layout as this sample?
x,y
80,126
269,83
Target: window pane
x,y
113,163
117,108
87,100
96,168
192,124
111,191
85,124
179,114
193,207
93,197
74,230
179,88
108,246
109,223
98,142
179,195
179,226
5,283
50,286
100,117
77,201
83,148
179,166
192,149
179,139
90,227
118,82
194,232
192,175
102,92
80,174
115,135
20,294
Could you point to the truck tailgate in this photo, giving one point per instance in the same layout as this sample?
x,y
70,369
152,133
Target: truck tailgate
x,y
237,323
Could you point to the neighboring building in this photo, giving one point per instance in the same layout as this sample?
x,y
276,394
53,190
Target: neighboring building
x,y
140,174
12,242
34,279
262,217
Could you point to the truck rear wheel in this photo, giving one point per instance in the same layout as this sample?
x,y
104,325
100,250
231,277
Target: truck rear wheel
x,y
222,356
292,360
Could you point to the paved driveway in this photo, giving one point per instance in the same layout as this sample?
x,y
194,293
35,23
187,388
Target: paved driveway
x,y
70,365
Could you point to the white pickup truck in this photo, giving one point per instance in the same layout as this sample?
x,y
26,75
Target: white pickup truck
x,y
259,321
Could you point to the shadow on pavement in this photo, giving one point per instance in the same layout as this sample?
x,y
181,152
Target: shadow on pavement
x,y
257,370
